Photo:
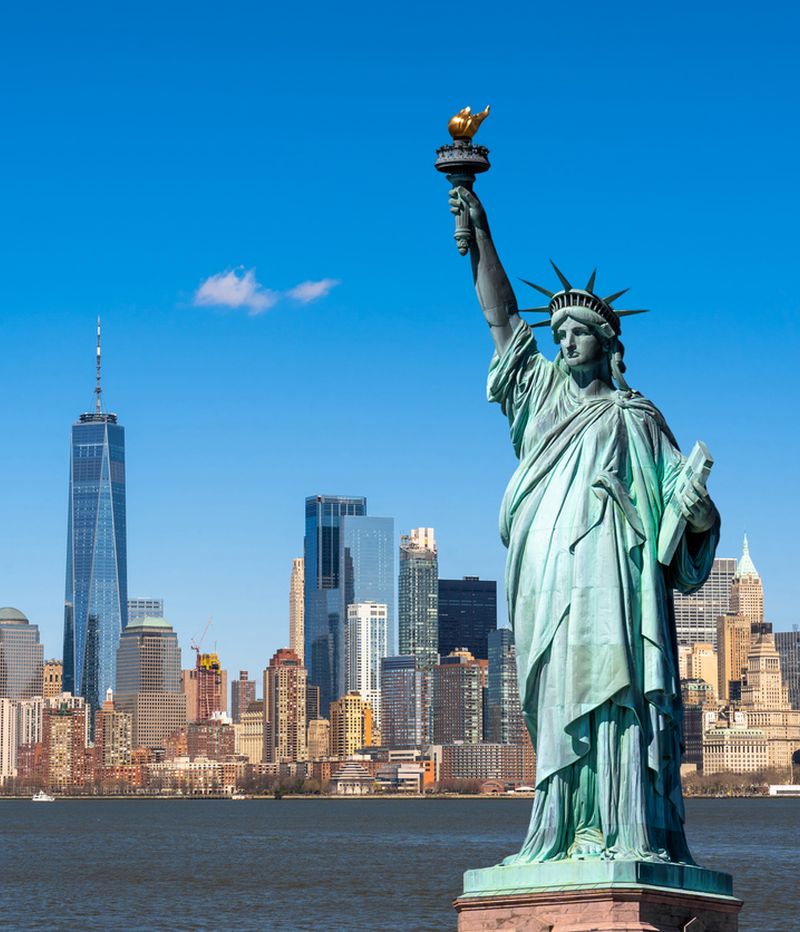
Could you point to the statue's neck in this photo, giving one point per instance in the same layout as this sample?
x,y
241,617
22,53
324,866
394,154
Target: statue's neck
x,y
593,381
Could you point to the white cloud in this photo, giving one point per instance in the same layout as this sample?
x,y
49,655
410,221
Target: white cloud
x,y
235,288
306,292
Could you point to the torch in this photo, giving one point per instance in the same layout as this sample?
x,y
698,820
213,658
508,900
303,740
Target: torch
x,y
461,161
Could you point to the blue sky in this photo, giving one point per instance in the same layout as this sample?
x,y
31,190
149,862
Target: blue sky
x,y
148,148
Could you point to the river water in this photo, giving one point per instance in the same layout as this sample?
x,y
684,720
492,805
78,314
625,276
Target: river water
x,y
355,865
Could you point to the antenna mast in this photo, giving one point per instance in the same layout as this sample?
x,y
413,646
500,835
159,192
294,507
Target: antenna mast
x,y
98,391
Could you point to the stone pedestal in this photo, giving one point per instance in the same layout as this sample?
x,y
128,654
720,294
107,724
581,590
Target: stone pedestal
x,y
597,896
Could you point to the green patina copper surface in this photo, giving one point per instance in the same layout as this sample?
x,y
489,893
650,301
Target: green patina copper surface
x,y
593,874
588,599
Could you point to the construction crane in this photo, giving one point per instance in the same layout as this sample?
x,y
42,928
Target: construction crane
x,y
197,644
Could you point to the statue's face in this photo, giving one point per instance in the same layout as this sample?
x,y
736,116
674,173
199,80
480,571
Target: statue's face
x,y
580,346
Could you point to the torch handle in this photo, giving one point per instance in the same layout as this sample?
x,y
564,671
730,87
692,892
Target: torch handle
x,y
463,233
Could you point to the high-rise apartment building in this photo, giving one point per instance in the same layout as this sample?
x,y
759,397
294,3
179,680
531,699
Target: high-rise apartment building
x,y
285,708
96,593
52,678
9,740
747,592
149,681
21,656
506,725
112,736
139,609
319,738
418,601
297,596
249,732
458,684
351,725
787,644
367,625
206,688
405,703
467,613
64,751
243,694
733,646
696,615
324,624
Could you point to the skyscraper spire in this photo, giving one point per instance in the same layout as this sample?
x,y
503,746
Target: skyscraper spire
x,y
98,391
746,566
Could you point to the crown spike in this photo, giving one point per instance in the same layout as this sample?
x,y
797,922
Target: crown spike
x,y
544,291
641,310
534,310
564,281
541,323
590,283
617,294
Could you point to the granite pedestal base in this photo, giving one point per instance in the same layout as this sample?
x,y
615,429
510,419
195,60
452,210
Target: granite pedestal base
x,y
597,896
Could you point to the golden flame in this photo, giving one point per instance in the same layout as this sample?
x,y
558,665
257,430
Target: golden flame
x,y
465,123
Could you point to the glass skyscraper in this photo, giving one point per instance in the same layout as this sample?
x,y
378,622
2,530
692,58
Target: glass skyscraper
x,y
467,613
21,656
324,601
418,600
96,596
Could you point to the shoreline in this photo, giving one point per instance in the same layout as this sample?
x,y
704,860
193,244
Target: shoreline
x,y
132,797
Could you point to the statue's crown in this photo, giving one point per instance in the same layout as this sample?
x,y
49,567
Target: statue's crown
x,y
580,297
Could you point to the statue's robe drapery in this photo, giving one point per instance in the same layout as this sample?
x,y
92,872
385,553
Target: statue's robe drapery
x,y
591,609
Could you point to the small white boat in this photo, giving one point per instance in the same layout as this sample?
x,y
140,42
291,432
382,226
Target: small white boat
x,y
239,796
42,797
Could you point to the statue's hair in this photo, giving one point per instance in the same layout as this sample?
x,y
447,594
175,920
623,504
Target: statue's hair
x,y
615,351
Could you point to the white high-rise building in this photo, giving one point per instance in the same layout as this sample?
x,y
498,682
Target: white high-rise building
x,y
297,625
367,634
8,739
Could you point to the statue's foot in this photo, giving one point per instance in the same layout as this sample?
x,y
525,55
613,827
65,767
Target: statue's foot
x,y
586,845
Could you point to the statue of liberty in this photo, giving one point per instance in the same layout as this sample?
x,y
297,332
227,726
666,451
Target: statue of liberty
x,y
589,601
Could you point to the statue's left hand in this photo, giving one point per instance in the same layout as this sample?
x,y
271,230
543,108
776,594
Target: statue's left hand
x,y
697,507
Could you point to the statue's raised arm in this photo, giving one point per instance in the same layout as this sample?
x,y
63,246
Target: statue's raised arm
x,y
495,294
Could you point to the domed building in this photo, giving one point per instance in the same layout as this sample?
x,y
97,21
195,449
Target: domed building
x,y
21,656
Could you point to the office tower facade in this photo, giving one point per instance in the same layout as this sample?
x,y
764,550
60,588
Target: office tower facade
x,y
112,736
139,609
418,597
696,615
285,708
787,644
762,684
297,605
351,725
733,646
506,725
458,683
249,731
243,694
96,592
52,678
149,681
319,738
21,656
405,703
703,664
467,613
747,591
324,624
367,558
367,627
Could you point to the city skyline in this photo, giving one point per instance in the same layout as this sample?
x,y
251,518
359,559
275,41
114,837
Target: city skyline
x,y
132,202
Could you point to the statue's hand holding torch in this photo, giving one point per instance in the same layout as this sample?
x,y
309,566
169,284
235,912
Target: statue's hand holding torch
x,y
461,162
